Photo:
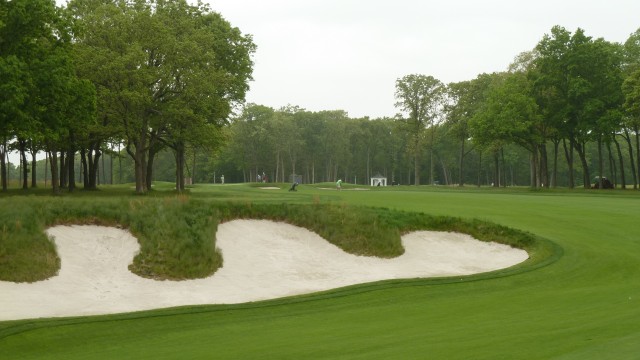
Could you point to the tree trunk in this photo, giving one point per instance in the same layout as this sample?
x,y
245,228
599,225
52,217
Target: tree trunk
x,y
461,165
600,164
63,170
277,165
503,169
25,170
293,158
532,171
46,165
103,173
139,159
111,166
85,166
180,162
193,168
496,169
627,137
479,168
139,154
282,168
119,164
34,183
154,148
535,169
71,168
89,170
148,172
623,181
93,161
444,172
416,169
55,182
544,166
586,177
636,130
178,172
368,176
3,163
568,153
554,178
431,165
22,147
612,165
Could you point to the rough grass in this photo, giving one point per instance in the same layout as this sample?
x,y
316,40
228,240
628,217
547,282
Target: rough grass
x,y
177,233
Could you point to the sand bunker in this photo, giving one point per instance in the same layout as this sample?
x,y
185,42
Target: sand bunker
x,y
262,260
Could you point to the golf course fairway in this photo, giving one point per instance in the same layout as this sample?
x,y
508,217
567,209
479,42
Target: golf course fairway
x,y
583,305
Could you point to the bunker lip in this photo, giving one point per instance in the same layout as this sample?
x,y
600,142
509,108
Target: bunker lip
x,y
262,260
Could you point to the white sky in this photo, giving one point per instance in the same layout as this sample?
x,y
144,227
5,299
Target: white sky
x,y
347,54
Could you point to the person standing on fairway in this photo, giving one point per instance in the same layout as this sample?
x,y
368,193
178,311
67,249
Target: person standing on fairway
x,y
339,184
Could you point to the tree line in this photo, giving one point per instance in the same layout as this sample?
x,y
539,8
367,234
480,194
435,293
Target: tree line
x,y
562,112
153,84
147,74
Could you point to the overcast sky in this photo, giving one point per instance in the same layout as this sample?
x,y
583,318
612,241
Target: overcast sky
x,y
347,54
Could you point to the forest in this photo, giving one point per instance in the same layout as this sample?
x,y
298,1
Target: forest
x,y
136,91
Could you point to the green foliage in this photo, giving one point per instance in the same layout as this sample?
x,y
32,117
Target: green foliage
x,y
420,97
176,241
168,74
26,254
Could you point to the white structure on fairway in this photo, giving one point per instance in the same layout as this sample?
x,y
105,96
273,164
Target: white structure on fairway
x,y
378,180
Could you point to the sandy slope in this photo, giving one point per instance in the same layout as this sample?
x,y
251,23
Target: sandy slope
x,y
262,260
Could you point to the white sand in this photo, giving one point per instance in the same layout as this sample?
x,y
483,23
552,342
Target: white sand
x,y
262,260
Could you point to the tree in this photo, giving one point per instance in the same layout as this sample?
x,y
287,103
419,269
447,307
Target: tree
x,y
420,97
605,105
631,92
509,115
38,51
173,70
210,66
551,88
13,92
250,143
576,81
465,100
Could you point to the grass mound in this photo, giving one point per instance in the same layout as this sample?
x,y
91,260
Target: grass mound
x,y
177,234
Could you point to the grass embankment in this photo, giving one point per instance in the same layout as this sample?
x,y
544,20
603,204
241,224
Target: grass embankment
x,y
177,234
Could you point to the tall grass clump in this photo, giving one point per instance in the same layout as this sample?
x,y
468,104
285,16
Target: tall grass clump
x,y
176,238
177,234
355,230
26,253
540,250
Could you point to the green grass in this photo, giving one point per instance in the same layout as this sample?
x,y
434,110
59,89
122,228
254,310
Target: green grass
x,y
177,235
584,305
